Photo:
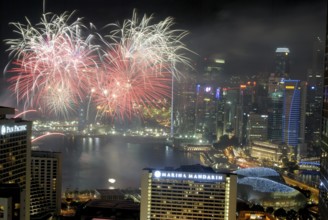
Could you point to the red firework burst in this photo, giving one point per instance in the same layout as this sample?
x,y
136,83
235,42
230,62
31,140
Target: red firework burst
x,y
126,86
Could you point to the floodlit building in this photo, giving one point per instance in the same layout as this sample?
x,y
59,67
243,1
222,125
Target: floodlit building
x,y
265,150
188,192
266,187
15,161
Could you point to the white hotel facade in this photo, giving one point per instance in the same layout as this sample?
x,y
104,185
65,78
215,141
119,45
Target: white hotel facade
x,y
189,192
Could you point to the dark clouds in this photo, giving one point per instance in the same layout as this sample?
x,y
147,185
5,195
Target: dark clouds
x,y
248,35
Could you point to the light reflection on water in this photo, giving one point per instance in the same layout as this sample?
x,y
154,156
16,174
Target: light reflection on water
x,y
88,163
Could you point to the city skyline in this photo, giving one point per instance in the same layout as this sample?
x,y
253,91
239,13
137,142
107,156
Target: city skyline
x,y
222,118
246,36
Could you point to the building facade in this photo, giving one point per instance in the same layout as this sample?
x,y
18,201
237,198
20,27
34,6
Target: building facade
x,y
189,192
15,156
282,62
323,195
46,181
257,127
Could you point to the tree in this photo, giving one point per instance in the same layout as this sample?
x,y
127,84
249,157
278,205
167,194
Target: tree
x,y
304,214
280,213
258,208
269,210
292,214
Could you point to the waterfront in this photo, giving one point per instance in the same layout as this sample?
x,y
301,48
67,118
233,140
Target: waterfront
x,y
89,162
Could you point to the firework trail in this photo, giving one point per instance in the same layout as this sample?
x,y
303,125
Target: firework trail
x,y
52,63
152,44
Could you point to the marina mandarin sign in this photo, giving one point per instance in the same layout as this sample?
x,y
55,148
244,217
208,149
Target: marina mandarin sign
x,y
11,129
188,176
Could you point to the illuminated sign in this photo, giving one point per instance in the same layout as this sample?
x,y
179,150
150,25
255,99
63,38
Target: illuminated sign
x,y
189,176
290,87
11,129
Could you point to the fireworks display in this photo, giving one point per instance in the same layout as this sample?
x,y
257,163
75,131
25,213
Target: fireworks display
x,y
53,63
130,69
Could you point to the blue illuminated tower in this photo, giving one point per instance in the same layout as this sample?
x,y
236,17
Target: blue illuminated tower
x,y
291,112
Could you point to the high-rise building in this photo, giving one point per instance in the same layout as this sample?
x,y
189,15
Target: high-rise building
x,y
206,111
314,98
10,194
323,195
232,110
15,156
46,183
291,112
257,127
189,192
184,105
282,62
275,113
247,105
293,119
207,96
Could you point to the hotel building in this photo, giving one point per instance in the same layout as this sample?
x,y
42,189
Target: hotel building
x,y
188,192
15,165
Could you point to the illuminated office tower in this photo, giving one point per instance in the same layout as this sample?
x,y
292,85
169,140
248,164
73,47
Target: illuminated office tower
x,y
257,127
207,96
291,113
275,108
206,111
246,105
323,195
188,192
15,161
231,110
46,183
282,62
184,106
314,98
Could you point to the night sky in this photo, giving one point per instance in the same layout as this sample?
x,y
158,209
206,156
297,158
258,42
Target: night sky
x,y
245,33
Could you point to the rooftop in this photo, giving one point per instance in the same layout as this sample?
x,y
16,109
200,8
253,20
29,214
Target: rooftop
x,y
282,50
257,172
265,185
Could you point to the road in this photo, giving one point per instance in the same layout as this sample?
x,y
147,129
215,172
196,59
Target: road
x,y
314,191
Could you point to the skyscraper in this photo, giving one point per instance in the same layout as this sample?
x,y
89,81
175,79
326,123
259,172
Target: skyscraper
x,y
189,192
46,183
282,62
184,105
275,110
257,127
323,195
291,112
207,91
15,156
314,98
